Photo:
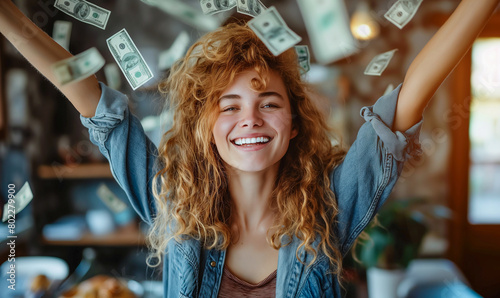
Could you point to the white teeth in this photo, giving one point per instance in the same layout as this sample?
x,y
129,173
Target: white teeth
x,y
244,141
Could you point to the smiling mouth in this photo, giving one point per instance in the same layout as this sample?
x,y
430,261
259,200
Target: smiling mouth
x,y
251,141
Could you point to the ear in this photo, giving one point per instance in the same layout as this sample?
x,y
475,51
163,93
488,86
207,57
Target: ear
x,y
294,133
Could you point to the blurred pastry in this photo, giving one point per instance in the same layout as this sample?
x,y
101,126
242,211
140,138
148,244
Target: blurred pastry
x,y
39,287
40,283
100,286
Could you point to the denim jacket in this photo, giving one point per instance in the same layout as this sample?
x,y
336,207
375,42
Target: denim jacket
x,y
361,184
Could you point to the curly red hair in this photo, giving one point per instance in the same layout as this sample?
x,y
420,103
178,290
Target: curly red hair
x,y
194,197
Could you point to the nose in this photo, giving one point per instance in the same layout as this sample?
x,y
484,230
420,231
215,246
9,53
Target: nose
x,y
251,118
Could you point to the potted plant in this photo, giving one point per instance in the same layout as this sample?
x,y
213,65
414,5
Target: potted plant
x,y
389,244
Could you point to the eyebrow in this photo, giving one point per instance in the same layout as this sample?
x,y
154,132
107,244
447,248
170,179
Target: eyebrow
x,y
261,95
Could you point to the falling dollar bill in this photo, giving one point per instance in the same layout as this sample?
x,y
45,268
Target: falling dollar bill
x,y
150,2
389,89
21,200
379,63
270,27
327,24
84,11
130,60
62,33
176,51
110,199
214,6
250,7
78,67
112,74
402,12
303,58
186,13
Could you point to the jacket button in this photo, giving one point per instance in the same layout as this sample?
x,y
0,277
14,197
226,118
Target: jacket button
x,y
213,263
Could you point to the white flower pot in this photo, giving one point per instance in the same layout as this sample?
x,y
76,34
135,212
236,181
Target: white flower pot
x,y
383,283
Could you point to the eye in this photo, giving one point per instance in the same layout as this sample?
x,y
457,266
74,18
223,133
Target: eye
x,y
228,109
270,105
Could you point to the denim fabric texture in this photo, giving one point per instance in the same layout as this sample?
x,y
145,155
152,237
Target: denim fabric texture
x,y
361,183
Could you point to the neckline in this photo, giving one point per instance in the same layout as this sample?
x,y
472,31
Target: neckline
x,y
263,282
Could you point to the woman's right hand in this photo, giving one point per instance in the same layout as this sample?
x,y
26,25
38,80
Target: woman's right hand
x,y
42,51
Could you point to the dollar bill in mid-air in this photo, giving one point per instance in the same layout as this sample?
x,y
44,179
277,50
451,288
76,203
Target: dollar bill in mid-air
x,y
252,8
186,13
303,58
84,11
270,27
110,199
62,33
129,59
112,74
210,7
379,63
327,24
78,67
402,12
176,51
21,200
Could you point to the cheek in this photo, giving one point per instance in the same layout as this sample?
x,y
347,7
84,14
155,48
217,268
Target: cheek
x,y
221,129
283,124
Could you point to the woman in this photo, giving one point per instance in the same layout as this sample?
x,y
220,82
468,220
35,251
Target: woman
x,y
245,194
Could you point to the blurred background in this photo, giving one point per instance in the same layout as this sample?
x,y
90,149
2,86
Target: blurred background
x,y
455,181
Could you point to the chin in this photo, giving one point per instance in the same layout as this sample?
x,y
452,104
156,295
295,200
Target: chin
x,y
252,166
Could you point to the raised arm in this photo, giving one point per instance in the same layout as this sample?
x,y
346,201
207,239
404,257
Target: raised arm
x,y
42,51
438,58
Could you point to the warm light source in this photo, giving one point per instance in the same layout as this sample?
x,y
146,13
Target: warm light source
x,y
363,25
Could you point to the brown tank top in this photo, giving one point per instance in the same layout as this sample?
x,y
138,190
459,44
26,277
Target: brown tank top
x,y
231,286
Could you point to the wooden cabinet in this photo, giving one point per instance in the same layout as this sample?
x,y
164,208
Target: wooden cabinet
x,y
79,171
127,235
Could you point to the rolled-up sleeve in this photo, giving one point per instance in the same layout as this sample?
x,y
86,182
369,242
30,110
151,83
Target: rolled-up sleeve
x,y
366,177
131,154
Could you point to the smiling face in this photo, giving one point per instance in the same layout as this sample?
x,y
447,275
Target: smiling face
x,y
253,128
